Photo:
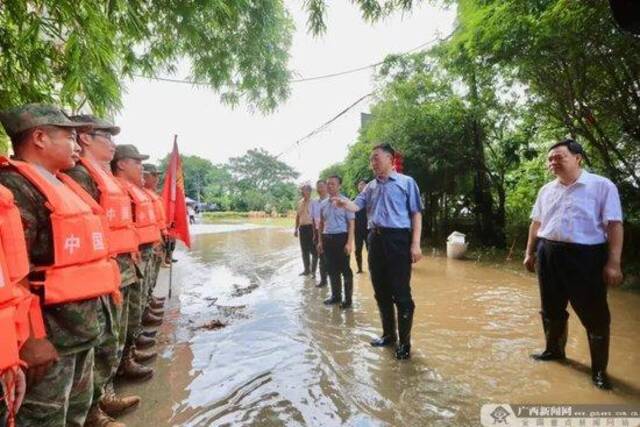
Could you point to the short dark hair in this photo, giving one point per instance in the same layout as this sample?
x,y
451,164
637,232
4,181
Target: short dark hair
x,y
387,148
336,177
572,146
321,181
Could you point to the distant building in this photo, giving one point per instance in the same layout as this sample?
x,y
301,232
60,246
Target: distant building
x,y
365,118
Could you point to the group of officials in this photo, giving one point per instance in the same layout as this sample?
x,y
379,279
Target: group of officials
x,y
387,217
575,246
82,238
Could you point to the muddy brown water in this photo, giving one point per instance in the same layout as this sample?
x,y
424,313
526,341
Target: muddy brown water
x,y
284,358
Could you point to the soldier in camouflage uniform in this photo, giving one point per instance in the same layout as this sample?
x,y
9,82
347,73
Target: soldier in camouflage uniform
x,y
138,316
151,175
60,395
97,147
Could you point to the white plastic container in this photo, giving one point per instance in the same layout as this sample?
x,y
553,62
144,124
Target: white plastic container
x,y
456,245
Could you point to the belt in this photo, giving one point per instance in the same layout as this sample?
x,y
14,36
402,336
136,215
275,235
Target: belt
x,y
334,235
387,230
571,244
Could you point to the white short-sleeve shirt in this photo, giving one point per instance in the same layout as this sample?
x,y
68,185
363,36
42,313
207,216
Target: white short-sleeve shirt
x,y
578,213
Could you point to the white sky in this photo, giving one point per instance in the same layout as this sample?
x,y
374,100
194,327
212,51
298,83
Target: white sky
x,y
154,111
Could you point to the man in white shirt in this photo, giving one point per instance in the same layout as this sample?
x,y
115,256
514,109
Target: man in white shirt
x,y
575,244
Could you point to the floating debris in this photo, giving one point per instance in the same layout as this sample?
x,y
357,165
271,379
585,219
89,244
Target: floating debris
x,y
213,325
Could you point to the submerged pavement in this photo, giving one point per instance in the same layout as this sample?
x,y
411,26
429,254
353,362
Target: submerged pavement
x,y
246,341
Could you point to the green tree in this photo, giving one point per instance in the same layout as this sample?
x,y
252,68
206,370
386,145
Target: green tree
x,y
259,170
583,73
77,52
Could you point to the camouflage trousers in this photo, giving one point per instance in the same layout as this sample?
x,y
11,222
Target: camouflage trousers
x,y
148,256
134,312
63,397
156,263
109,352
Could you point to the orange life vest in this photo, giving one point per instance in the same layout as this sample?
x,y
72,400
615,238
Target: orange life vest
x,y
116,204
158,206
144,214
19,309
81,266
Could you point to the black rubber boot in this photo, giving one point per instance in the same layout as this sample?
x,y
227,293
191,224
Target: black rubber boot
x,y
599,348
405,321
388,318
555,333
348,294
336,290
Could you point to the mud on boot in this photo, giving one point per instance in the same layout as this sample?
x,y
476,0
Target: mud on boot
x,y
97,418
114,405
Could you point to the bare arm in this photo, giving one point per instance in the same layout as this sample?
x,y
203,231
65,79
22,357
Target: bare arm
x,y
530,253
612,270
416,233
343,202
295,232
320,231
351,237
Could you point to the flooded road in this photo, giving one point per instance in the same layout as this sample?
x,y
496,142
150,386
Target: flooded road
x,y
284,358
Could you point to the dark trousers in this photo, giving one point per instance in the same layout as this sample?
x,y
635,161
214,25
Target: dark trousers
x,y
572,273
361,240
305,234
390,268
318,260
338,265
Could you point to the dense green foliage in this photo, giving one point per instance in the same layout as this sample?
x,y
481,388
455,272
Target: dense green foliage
x,y
475,115
255,181
77,53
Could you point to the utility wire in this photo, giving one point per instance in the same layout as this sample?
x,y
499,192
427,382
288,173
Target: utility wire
x,y
324,125
304,79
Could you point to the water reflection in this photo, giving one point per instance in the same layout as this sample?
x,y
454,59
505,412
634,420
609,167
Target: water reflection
x,y
286,359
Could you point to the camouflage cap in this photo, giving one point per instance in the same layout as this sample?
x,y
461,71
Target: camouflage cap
x,y
97,123
150,168
29,116
128,151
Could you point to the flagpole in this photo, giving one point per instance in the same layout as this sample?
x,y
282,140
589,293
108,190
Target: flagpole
x,y
175,141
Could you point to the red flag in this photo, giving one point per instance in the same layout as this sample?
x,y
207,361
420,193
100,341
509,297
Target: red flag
x,y
173,197
398,162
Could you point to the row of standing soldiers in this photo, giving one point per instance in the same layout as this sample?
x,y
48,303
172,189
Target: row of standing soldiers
x,y
82,238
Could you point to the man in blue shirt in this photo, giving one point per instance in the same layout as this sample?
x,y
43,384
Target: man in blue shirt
x,y
337,228
361,229
394,211
321,188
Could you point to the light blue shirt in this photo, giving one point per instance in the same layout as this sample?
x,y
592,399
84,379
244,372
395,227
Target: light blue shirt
x,y
390,203
315,211
336,220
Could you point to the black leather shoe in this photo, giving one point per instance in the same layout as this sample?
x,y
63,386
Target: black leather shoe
x,y
304,273
403,351
346,304
384,341
547,356
331,301
601,380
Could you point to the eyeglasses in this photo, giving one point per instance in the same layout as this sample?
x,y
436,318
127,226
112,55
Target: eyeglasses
x,y
106,136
